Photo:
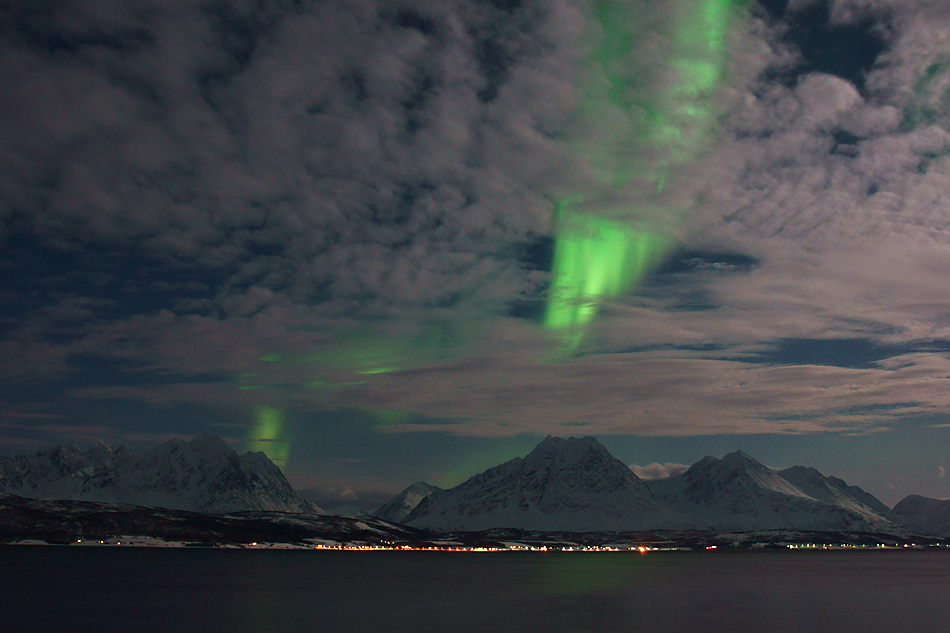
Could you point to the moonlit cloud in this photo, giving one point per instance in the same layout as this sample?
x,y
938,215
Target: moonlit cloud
x,y
349,205
284,147
658,471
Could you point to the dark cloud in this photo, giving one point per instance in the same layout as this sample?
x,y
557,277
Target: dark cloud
x,y
329,151
856,353
190,186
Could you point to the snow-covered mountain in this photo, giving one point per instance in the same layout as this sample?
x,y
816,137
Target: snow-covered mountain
x,y
739,493
838,492
576,485
572,484
931,516
202,475
399,507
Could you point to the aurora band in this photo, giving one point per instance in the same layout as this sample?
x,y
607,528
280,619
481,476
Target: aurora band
x,y
600,250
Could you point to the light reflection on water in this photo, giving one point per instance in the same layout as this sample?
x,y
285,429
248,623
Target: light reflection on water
x,y
110,589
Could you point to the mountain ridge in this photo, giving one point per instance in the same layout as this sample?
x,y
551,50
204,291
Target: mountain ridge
x,y
560,485
576,484
201,475
931,516
402,505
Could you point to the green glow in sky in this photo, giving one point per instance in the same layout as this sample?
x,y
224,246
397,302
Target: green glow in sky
x,y
930,101
371,351
385,417
268,435
600,255
464,466
594,259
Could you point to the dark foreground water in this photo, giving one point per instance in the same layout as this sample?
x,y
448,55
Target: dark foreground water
x,y
113,589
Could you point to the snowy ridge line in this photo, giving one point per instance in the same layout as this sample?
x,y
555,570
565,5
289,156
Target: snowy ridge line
x,y
202,475
575,484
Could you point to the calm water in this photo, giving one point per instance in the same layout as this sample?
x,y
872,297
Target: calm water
x,y
113,589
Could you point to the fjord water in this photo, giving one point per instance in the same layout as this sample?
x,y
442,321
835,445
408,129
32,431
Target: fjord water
x,y
137,589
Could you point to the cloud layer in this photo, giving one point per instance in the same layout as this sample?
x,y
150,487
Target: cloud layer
x,y
225,203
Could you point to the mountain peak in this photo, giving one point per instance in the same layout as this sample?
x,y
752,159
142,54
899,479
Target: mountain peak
x,y
568,450
422,485
400,506
803,473
706,462
208,442
924,513
836,491
739,458
574,484
735,462
202,475
565,484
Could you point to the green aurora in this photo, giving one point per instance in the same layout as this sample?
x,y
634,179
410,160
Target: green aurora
x,y
268,435
601,249
604,247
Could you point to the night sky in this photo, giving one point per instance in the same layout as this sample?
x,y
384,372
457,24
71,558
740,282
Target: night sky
x,y
393,240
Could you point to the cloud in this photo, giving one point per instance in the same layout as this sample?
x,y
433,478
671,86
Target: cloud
x,y
334,184
941,472
283,144
654,394
658,471
214,182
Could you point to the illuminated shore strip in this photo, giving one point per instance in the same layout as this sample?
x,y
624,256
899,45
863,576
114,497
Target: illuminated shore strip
x,y
525,548
154,542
